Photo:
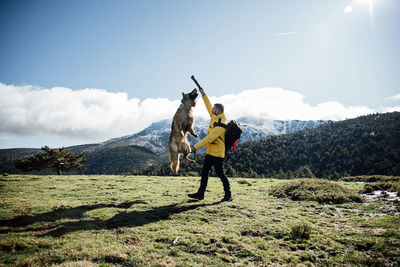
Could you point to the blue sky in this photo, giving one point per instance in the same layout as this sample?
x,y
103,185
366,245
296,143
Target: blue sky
x,y
342,51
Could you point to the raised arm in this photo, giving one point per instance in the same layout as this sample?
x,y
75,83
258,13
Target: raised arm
x,y
205,98
207,103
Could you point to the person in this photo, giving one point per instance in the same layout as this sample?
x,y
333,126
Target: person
x,y
214,142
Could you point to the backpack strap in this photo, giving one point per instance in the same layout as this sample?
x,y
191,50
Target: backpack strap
x,y
220,124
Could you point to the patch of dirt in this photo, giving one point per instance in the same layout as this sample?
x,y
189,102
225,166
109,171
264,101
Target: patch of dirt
x,y
78,264
340,226
378,194
131,240
116,231
388,208
62,206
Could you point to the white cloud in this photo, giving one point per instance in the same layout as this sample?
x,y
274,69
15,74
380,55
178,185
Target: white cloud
x,y
277,103
390,109
285,33
348,9
95,115
393,98
89,113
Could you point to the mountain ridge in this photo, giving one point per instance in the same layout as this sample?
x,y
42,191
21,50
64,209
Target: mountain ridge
x,y
150,145
366,145
156,136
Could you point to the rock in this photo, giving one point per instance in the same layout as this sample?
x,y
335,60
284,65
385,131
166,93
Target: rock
x,y
175,241
5,174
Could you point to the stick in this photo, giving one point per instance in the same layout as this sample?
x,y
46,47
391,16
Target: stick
x,y
195,81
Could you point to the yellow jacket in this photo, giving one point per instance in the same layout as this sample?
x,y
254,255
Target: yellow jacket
x,y
215,138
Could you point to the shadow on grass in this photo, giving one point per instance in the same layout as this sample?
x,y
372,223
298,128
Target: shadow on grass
x,y
57,214
123,219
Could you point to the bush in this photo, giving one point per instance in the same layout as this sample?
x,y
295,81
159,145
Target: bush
x,y
390,186
323,191
300,231
371,178
304,172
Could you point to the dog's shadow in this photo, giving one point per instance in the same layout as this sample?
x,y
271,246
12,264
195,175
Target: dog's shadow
x,y
122,219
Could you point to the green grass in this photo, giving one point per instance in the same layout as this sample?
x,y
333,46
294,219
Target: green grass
x,y
134,221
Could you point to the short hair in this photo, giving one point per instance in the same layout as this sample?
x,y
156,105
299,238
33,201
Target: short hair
x,y
220,107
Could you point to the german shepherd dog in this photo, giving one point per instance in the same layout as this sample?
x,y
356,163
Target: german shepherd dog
x,y
181,125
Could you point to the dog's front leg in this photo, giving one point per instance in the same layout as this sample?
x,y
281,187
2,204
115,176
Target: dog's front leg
x,y
191,131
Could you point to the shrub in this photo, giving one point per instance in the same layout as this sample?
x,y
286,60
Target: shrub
x,y
300,231
323,191
371,178
304,172
390,186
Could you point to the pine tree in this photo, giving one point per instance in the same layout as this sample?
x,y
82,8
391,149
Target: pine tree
x,y
252,174
304,172
57,159
280,174
230,171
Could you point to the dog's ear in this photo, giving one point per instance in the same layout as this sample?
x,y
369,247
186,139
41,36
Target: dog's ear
x,y
183,94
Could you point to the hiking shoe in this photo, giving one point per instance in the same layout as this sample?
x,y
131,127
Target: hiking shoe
x,y
196,196
227,198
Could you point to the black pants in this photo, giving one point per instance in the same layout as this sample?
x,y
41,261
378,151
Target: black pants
x,y
218,163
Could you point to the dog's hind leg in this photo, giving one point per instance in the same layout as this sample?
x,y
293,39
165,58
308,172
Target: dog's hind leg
x,y
174,162
185,150
185,157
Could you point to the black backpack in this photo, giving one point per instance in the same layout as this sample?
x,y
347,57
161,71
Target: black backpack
x,y
232,134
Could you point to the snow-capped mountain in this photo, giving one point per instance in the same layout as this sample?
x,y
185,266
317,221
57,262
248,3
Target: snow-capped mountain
x,y
156,136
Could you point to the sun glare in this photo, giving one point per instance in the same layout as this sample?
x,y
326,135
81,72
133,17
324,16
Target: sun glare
x,y
370,5
348,9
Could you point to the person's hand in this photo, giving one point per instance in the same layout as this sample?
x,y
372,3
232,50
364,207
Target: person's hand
x,y
202,91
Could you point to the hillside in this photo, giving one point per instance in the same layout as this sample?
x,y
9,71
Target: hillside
x,y
363,146
156,136
119,159
123,154
8,156
102,160
149,221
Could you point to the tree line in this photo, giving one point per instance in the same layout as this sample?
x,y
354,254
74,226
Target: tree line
x,y
367,145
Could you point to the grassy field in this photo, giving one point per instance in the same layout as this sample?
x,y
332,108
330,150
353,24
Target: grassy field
x,y
134,221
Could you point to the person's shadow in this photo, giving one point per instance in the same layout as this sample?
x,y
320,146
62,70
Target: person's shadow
x,y
123,219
